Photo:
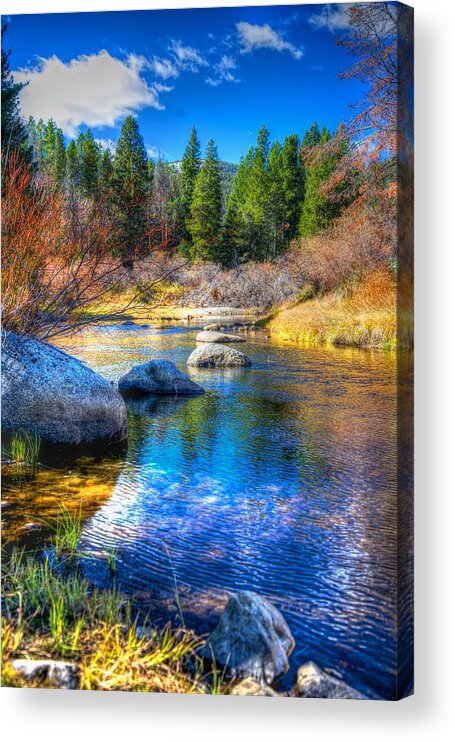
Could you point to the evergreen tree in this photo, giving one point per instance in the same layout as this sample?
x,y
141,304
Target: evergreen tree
x,y
276,196
311,137
204,223
234,243
59,160
318,210
72,165
131,187
13,130
89,166
191,163
293,180
257,202
49,134
106,169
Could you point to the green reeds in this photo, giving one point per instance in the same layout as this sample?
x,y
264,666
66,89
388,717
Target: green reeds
x,y
23,449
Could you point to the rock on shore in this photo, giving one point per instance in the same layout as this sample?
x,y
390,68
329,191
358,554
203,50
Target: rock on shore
x,y
312,682
252,639
49,672
157,377
47,391
213,355
211,336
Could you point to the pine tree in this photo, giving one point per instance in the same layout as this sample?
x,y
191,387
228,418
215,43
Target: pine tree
x,y
204,223
13,130
235,241
191,163
72,165
276,206
59,160
311,137
257,201
293,180
318,210
131,187
49,147
89,166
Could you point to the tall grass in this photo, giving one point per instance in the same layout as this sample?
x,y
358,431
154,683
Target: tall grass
x,y
23,449
360,314
51,613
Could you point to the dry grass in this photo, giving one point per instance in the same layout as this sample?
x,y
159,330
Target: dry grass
x,y
360,315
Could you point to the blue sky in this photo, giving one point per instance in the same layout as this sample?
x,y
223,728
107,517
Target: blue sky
x,y
226,70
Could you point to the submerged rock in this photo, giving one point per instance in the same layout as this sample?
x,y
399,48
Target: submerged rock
x,y
157,377
252,639
54,395
208,336
213,355
49,672
251,687
312,682
212,327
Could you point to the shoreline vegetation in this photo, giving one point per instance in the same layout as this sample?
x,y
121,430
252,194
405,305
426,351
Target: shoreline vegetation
x,y
51,613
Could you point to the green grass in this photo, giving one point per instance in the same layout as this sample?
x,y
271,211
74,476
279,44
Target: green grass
x,y
23,449
51,611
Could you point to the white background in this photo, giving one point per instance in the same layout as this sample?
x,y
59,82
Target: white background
x,y
43,715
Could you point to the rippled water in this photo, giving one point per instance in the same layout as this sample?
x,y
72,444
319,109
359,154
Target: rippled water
x,y
280,479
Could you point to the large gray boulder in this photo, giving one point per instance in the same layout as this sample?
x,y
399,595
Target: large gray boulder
x,y
252,639
213,355
157,377
312,682
47,391
211,336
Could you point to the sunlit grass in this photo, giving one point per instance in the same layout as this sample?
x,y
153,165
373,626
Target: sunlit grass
x,y
362,314
49,612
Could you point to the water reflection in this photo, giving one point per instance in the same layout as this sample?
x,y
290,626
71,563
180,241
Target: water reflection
x,y
280,479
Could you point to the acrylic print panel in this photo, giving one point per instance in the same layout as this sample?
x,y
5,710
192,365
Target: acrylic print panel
x,y
207,350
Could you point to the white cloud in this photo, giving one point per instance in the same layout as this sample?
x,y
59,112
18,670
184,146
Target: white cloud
x,y
109,144
223,71
332,17
252,37
154,152
164,68
187,58
96,89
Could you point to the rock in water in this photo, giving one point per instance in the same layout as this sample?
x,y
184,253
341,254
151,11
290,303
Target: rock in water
x,y
209,336
157,377
212,327
252,639
312,682
213,355
47,391
49,672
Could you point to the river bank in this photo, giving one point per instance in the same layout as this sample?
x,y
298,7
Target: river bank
x,y
362,314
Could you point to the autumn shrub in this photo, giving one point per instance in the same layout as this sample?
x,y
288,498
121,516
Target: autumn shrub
x,y
362,240
59,256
